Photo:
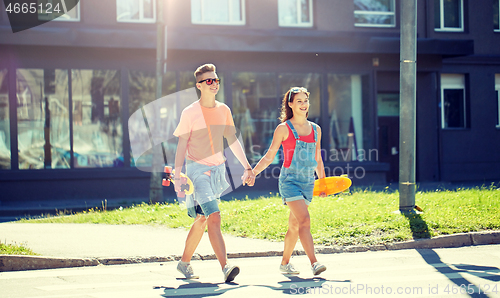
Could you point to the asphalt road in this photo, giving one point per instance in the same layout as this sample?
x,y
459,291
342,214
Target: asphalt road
x,y
472,271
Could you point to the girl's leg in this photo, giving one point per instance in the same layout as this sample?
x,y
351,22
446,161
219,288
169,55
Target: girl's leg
x,y
194,237
301,213
291,237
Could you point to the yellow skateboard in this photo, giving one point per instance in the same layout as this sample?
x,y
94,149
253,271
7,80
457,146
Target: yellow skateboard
x,y
331,185
187,186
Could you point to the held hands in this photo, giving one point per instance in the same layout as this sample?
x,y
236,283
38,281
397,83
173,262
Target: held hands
x,y
248,177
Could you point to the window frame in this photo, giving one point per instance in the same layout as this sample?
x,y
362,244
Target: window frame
x,y
454,85
60,19
441,19
375,12
229,23
497,91
141,19
498,16
309,24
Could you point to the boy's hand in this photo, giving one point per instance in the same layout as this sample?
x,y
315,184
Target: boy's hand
x,y
248,177
177,184
322,195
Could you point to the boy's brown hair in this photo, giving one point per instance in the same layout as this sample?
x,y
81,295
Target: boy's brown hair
x,y
203,69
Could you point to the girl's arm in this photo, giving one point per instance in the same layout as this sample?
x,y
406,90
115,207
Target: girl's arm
x,y
280,134
320,169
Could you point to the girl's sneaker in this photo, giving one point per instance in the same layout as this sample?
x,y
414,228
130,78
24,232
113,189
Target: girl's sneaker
x,y
187,270
288,269
317,268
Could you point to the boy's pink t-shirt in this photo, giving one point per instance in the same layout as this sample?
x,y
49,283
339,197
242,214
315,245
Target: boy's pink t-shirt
x,y
204,128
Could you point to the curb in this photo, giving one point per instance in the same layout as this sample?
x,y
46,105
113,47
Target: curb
x,y
21,263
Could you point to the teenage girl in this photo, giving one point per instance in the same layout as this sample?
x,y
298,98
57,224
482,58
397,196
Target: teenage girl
x,y
301,141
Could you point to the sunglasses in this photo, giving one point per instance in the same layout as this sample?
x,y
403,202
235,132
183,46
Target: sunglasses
x,y
210,81
297,90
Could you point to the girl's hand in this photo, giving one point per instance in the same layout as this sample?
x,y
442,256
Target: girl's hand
x,y
248,177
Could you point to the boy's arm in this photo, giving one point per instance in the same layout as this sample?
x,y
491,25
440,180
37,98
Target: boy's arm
x,y
237,149
180,155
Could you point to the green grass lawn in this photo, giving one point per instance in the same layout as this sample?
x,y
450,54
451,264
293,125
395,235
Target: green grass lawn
x,y
15,249
361,217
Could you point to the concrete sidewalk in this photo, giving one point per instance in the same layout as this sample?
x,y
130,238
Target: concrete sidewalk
x,y
76,245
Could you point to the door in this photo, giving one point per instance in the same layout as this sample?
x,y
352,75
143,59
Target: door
x,y
388,133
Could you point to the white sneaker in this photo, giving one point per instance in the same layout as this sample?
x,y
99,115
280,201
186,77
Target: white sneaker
x,y
230,272
317,268
288,269
187,270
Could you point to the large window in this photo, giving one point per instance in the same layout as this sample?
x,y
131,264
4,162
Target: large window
x,y
448,15
138,11
5,156
497,92
97,129
218,12
257,106
349,119
453,101
255,111
48,9
295,13
496,15
43,118
374,13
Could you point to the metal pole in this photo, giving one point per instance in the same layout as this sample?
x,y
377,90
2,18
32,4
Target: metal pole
x,y
155,186
408,82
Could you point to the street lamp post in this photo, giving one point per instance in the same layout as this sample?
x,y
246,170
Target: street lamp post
x,y
155,187
407,131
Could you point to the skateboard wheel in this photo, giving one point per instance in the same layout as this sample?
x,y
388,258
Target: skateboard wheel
x,y
165,182
168,169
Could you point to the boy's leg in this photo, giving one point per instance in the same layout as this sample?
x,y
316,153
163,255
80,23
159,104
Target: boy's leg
x,y
216,239
194,236
291,237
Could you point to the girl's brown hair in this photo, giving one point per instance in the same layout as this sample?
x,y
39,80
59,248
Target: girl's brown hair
x,y
286,111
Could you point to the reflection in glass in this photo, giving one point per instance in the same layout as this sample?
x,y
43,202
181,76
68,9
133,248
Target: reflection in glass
x,y
135,10
255,111
97,129
43,118
216,12
295,12
374,12
142,92
345,110
5,156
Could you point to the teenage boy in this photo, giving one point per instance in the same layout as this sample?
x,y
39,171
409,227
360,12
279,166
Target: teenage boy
x,y
201,129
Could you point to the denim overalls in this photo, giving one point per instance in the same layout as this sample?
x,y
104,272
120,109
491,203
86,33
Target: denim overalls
x,y
297,181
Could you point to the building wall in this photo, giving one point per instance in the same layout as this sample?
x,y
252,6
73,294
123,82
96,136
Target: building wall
x,y
332,46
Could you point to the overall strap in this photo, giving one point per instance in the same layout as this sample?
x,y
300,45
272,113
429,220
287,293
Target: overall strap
x,y
315,131
295,134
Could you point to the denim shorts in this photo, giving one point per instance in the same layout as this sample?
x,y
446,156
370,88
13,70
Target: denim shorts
x,y
205,201
293,188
